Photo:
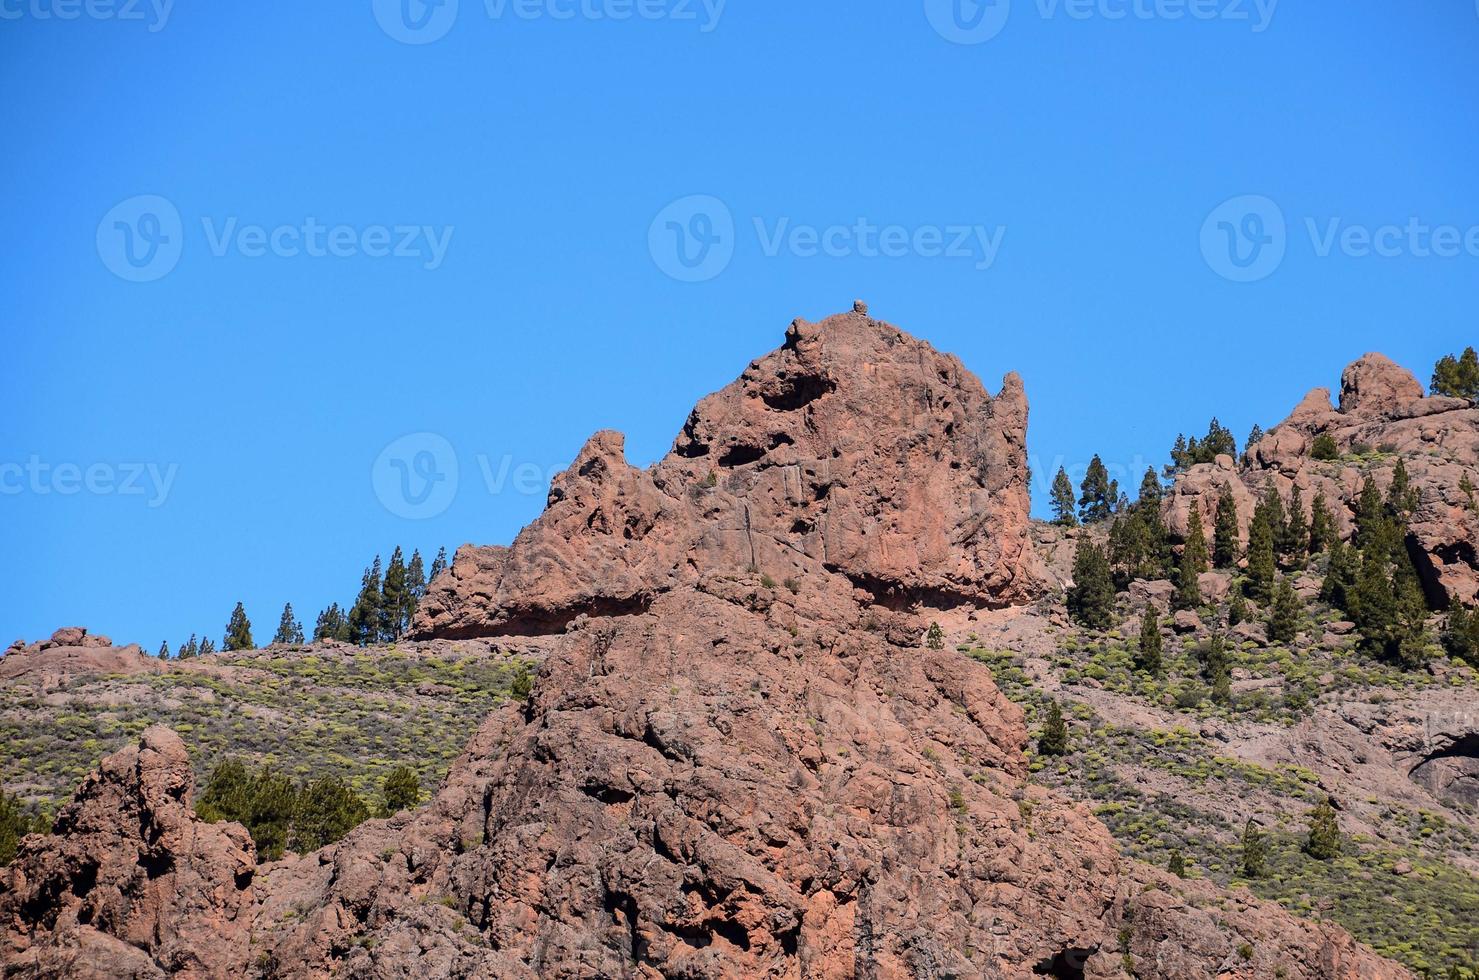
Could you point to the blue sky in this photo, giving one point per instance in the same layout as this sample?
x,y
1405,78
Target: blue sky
x,y
503,200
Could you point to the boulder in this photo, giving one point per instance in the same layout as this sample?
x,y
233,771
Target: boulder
x,y
1374,385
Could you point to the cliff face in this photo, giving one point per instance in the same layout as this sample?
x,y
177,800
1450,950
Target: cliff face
x,y
739,758
1383,417
854,449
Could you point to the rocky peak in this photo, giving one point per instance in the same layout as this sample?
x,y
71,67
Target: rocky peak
x,y
1374,385
852,449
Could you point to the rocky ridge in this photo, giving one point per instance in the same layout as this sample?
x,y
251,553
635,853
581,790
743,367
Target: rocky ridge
x,y
1382,417
716,774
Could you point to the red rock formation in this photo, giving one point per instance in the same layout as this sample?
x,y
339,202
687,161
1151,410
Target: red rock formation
x,y
738,760
1383,416
854,448
70,653
130,883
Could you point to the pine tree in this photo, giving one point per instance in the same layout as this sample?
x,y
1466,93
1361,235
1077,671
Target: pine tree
x,y
1283,623
1100,493
1193,563
1177,864
1091,597
1322,525
402,790
15,823
1148,656
1218,669
438,566
1323,843
1255,851
1457,377
207,646
1373,606
1237,609
289,630
1225,532
1461,634
393,598
1261,565
1180,456
1054,737
1324,447
164,650
1150,488
1402,496
332,625
327,810
1371,517
415,587
935,637
1254,438
1411,649
189,648
1294,541
238,631
1219,441
364,615
1340,576
1063,503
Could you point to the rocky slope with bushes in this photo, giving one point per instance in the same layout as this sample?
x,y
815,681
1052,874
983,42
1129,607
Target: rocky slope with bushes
x,y
809,703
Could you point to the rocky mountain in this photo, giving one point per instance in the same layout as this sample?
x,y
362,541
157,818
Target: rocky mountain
x,y
1383,418
743,756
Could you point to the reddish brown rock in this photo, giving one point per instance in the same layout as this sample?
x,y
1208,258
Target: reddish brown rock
x,y
739,758
130,883
1383,416
854,448
71,653
1374,385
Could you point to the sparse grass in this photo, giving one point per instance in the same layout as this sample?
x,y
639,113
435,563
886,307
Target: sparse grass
x,y
354,713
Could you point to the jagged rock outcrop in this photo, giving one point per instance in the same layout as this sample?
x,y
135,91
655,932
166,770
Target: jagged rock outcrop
x,y
130,883
1383,416
739,757
854,448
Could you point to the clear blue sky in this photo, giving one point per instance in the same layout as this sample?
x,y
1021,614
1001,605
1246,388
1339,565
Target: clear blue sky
x,y
269,384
